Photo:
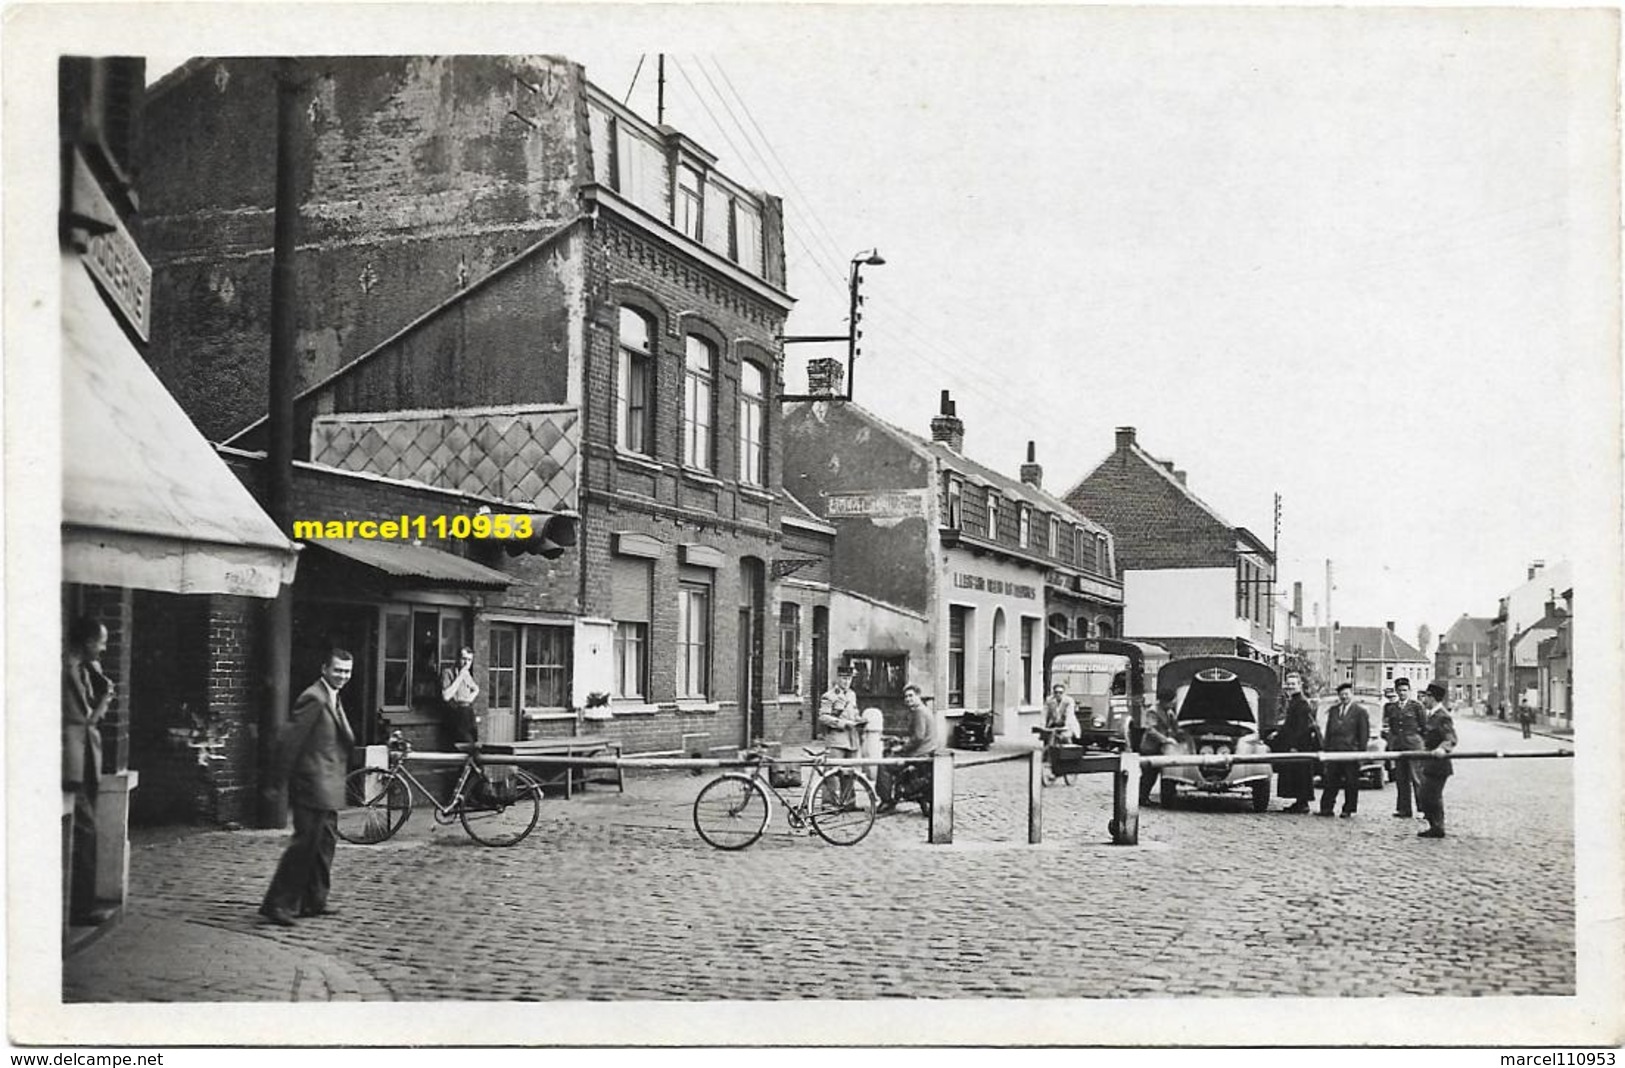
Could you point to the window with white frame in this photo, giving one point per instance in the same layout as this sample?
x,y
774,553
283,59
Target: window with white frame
x,y
1054,546
1103,556
690,197
634,388
1028,627
992,515
698,386
529,666
956,503
1077,546
789,648
752,417
958,623
631,583
693,640
1024,526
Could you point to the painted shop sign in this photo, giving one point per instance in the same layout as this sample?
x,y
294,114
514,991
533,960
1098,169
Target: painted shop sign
x,y
880,505
112,255
993,585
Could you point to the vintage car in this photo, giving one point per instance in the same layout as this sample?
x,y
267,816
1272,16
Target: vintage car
x,y
1107,680
1223,705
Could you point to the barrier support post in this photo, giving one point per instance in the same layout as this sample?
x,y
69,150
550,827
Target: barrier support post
x,y
1035,797
1125,824
941,831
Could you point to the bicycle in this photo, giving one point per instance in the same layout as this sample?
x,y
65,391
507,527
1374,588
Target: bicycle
x,y
732,810
378,801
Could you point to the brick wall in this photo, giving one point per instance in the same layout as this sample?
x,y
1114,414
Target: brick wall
x,y
418,176
1154,524
234,699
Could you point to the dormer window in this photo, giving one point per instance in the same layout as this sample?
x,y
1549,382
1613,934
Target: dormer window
x,y
690,199
992,516
1024,526
956,504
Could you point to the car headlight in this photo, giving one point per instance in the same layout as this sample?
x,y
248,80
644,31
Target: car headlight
x,y
1099,722
1206,750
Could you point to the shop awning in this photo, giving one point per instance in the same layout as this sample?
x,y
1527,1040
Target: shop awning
x,y
404,560
146,501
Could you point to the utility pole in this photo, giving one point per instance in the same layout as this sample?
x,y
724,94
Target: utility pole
x,y
1331,631
660,89
277,651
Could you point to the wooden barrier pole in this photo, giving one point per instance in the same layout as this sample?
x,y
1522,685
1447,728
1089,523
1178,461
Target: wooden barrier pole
x,y
1035,797
941,831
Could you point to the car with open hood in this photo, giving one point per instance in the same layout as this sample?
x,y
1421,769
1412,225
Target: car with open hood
x,y
1223,706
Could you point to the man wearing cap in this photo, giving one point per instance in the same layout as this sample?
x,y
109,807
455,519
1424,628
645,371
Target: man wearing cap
x,y
1402,719
1348,730
842,721
1439,737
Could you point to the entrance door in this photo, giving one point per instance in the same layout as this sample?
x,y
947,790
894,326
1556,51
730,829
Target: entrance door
x,y
1001,658
319,627
751,596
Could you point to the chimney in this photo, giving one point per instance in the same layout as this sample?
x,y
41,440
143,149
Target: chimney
x,y
947,427
1389,626
1297,602
1534,569
1125,436
1181,476
826,377
1031,473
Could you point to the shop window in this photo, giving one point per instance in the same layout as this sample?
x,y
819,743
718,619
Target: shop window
x,y
789,648
693,640
698,388
752,420
958,624
635,383
1028,626
418,644
545,655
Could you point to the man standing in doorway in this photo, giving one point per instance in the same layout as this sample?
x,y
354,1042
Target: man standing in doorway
x,y
313,756
1402,726
1347,731
86,694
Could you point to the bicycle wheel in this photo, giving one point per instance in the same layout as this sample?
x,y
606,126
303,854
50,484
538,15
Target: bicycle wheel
x,y
839,820
731,812
376,803
508,814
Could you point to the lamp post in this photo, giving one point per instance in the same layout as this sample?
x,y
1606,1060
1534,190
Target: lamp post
x,y
854,290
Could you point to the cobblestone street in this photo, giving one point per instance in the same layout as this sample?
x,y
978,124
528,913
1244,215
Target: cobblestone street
x,y
615,896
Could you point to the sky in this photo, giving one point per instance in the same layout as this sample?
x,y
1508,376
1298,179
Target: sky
x,y
1359,258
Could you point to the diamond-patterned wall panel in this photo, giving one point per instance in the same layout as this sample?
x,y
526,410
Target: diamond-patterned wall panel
x,y
529,457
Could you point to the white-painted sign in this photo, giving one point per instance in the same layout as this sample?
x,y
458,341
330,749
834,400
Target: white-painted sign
x,y
877,505
112,256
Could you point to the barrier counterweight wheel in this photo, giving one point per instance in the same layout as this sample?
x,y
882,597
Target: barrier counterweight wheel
x,y
843,812
731,811
375,805
509,814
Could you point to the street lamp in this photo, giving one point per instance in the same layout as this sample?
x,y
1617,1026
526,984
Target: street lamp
x,y
854,289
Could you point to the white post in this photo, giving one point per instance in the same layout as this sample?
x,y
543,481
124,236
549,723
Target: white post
x,y
941,831
1035,797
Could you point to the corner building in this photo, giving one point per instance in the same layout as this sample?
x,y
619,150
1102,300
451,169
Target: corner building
x,y
514,289
945,573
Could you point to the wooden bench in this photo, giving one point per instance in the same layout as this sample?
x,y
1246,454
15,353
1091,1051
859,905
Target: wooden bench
x,y
573,777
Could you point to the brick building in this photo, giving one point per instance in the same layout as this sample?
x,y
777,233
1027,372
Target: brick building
x,y
1463,659
525,297
945,572
1192,581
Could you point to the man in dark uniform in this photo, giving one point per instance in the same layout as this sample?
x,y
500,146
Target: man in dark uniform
x,y
1348,730
1402,727
1438,736
1298,733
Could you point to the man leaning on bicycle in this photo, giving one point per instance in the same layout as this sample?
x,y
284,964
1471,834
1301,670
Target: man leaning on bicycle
x,y
910,782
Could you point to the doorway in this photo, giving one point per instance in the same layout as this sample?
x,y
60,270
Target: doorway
x,y
1001,655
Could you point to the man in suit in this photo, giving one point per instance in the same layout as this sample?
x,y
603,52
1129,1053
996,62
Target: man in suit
x,y
1438,736
313,755
86,694
1347,731
1402,720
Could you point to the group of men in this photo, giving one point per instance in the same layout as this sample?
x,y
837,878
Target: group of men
x,y
1407,726
853,733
